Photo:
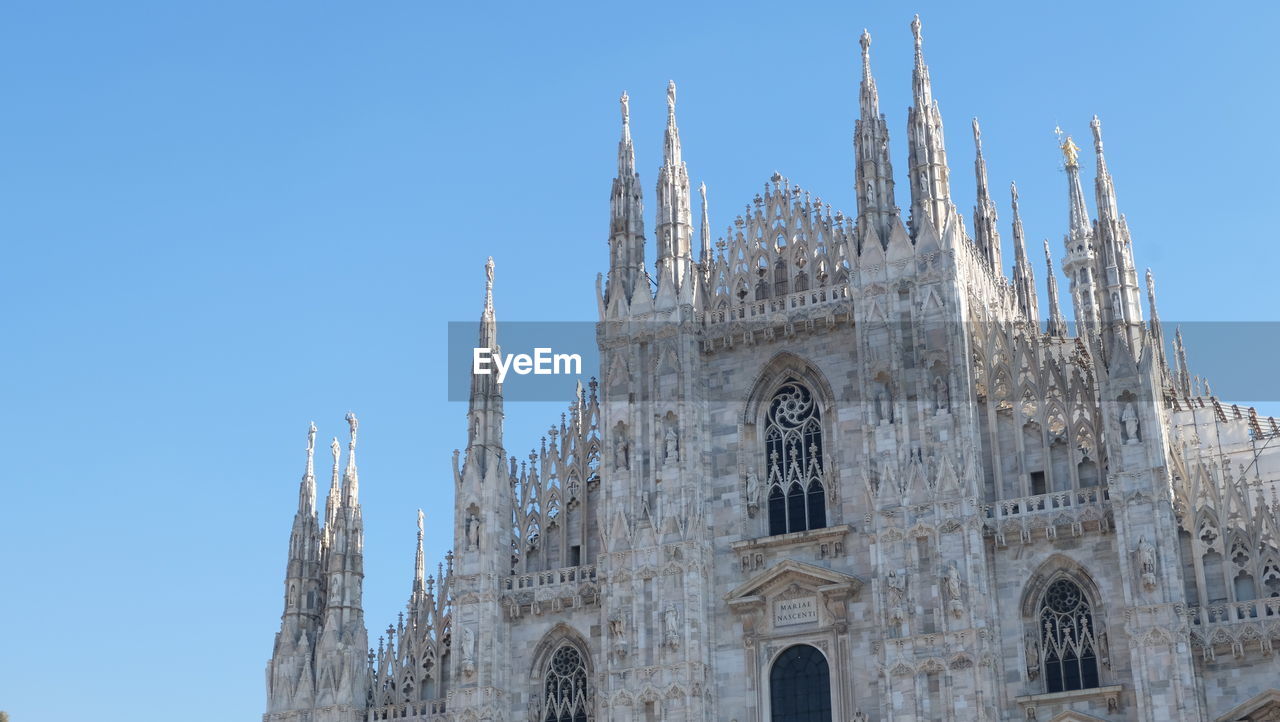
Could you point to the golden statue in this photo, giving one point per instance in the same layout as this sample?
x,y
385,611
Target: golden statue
x,y
1070,151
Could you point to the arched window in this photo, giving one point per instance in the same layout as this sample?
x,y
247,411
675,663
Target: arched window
x,y
565,696
793,454
800,686
1068,638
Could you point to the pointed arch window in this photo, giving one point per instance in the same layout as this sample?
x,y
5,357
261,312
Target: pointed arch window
x,y
793,454
566,697
1068,638
800,686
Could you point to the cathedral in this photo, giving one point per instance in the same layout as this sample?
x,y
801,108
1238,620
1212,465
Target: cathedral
x,y
831,468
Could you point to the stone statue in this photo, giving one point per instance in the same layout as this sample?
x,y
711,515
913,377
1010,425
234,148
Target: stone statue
x,y
1129,420
1147,563
671,96
473,531
671,626
1033,657
625,101
620,462
953,590
753,488
672,452
896,586
939,394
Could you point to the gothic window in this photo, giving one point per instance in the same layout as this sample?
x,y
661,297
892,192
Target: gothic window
x,y
800,686
793,454
1067,638
565,695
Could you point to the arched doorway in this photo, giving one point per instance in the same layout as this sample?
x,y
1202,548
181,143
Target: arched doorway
x,y
800,686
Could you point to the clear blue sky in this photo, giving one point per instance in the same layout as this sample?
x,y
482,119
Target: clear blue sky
x,y
223,220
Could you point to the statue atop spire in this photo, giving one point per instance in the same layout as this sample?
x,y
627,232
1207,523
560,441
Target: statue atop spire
x,y
985,229
1070,153
625,102
488,287
671,100
675,215
873,169
626,218
311,450
915,32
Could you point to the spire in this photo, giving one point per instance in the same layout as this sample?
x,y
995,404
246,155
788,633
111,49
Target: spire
x,y
1156,332
419,564
1079,264
927,156
877,209
350,478
484,406
674,223
1184,371
626,216
335,489
986,233
1057,322
307,490
705,257
1120,305
1024,280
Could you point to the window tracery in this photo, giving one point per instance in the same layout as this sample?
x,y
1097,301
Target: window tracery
x,y
793,457
566,697
1068,640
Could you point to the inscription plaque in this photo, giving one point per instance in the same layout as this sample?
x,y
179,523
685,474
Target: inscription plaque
x,y
795,611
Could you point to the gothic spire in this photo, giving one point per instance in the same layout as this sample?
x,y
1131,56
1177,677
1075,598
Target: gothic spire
x,y
674,223
705,230
877,209
927,156
484,407
626,216
1024,281
1156,332
1120,305
335,489
1057,322
1080,261
1184,371
351,478
986,232
419,567
307,489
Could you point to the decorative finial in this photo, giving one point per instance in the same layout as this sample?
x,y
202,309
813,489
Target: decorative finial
x,y
354,424
671,98
915,30
1096,125
977,135
1013,193
702,189
626,108
420,527
865,42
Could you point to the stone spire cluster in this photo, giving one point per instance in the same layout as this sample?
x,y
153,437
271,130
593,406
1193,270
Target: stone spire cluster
x,y
319,655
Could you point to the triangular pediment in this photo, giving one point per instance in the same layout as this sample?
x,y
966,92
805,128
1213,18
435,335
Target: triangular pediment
x,y
1258,707
1074,716
790,571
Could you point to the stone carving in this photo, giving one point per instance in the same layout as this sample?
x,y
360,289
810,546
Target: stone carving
x,y
896,590
1129,424
671,626
671,446
1147,563
953,590
473,531
618,632
468,652
1033,656
753,491
621,452
939,394
883,404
